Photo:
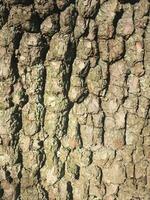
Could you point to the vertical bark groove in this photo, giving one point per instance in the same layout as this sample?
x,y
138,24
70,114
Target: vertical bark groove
x,y
74,100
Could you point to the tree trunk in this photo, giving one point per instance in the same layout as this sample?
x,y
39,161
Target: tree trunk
x,y
74,100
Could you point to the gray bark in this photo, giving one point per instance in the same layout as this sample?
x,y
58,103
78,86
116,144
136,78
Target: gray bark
x,y
74,100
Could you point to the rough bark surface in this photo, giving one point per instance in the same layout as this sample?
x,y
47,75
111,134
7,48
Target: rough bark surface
x,y
74,100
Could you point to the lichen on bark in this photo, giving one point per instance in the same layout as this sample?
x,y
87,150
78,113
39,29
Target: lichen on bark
x,y
74,100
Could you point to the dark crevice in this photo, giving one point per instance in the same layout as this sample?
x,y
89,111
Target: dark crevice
x,y
108,81
129,1
8,176
19,160
44,193
125,127
116,19
16,126
77,173
84,94
1,192
35,23
97,46
4,13
61,171
96,11
70,191
73,1
103,131
25,2
17,191
15,72
84,72
18,36
78,135
68,64
44,50
42,155
14,61
102,136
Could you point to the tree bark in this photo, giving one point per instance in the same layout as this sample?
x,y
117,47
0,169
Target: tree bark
x,y
74,100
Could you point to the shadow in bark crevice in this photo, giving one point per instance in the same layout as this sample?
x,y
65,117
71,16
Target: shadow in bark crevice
x,y
116,19
129,1
69,189
1,192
